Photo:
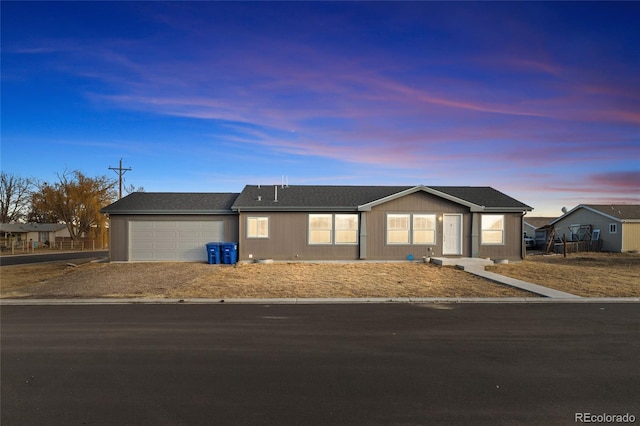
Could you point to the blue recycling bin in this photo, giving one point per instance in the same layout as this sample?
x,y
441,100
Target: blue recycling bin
x,y
213,253
229,253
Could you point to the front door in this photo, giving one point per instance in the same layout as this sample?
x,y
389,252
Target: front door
x,y
452,234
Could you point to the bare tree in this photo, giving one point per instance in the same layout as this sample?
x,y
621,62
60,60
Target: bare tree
x,y
131,189
15,196
76,201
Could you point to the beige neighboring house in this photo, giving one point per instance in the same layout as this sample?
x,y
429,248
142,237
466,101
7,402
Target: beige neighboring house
x,y
617,225
39,233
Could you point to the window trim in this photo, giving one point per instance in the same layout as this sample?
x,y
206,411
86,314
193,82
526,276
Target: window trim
x,y
482,230
434,229
613,228
258,236
311,243
411,229
336,229
333,229
408,229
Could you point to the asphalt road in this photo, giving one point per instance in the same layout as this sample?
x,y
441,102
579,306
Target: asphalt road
x,y
50,257
460,364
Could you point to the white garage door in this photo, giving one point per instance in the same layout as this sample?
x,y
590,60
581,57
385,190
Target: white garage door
x,y
172,240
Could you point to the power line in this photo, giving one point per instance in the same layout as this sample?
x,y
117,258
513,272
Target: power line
x,y
120,171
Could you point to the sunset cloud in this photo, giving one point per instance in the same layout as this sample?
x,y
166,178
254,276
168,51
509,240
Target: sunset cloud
x,y
433,93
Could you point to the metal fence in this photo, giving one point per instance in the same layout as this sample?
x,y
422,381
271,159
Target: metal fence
x,y
14,246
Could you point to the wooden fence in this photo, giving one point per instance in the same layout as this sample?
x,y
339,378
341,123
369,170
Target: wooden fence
x,y
578,246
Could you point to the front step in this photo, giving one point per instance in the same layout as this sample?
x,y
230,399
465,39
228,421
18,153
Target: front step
x,y
461,262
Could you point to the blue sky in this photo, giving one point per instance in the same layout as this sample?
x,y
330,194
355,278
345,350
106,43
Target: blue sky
x,y
538,100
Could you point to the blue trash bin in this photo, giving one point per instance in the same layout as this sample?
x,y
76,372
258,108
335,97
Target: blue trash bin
x,y
213,253
229,253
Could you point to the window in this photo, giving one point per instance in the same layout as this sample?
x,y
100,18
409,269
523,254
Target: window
x,y
424,229
411,229
320,229
346,229
492,229
613,228
577,232
257,227
333,229
398,229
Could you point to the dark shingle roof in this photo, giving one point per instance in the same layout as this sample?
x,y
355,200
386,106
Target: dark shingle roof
x,y
302,198
31,227
316,196
482,196
351,197
173,203
538,221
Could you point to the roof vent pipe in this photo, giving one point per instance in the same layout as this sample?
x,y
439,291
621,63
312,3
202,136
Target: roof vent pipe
x,y
259,197
276,194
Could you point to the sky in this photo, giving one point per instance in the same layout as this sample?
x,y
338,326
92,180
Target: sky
x,y
538,100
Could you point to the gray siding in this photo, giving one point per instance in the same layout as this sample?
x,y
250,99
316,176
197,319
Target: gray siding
x,y
118,238
610,242
288,240
288,234
513,240
418,202
119,230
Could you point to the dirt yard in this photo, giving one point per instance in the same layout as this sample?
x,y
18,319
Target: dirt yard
x,y
277,280
582,274
585,274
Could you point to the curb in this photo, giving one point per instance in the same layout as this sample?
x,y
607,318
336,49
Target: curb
x,y
314,301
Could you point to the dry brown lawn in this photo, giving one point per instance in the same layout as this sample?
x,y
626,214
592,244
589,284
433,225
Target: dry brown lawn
x,y
585,274
582,274
277,280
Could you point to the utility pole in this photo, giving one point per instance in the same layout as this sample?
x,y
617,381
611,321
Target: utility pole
x,y
120,171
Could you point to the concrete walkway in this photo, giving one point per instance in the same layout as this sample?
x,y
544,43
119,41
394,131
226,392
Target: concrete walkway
x,y
523,285
476,267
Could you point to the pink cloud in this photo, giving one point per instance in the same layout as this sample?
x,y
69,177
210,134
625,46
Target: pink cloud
x,y
534,65
383,118
617,181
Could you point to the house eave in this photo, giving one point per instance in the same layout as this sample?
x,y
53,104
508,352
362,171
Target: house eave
x,y
582,206
368,206
294,209
474,208
504,210
168,212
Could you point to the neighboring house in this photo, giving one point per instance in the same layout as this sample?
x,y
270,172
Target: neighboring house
x,y
35,232
319,223
535,227
147,226
618,226
378,222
